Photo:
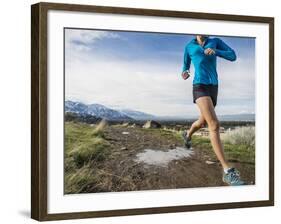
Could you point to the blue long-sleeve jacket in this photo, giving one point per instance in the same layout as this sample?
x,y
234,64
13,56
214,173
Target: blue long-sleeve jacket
x,y
206,65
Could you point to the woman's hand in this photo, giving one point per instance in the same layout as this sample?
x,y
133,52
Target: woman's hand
x,y
209,51
185,75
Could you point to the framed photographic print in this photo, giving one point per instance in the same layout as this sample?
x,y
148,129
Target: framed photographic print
x,y
142,111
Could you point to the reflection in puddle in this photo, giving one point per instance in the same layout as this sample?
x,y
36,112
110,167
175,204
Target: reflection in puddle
x,y
162,158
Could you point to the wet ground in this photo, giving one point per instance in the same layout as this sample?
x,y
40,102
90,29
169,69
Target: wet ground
x,y
147,159
155,157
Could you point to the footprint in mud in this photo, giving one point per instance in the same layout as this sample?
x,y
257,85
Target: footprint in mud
x,y
162,158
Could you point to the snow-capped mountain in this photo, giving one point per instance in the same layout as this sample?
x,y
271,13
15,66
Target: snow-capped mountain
x,y
75,107
97,110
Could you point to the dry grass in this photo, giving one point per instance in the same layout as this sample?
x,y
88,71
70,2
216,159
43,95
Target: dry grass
x,y
84,146
240,136
239,144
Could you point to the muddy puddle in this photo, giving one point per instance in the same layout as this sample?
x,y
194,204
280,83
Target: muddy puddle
x,y
162,158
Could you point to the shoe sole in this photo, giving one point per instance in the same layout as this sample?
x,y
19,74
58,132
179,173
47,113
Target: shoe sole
x,y
232,184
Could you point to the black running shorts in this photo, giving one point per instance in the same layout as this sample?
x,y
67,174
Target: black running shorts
x,y
205,90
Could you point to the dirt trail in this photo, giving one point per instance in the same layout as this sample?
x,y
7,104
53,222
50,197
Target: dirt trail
x,y
127,174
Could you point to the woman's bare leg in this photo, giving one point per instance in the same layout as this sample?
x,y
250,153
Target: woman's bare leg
x,y
200,123
207,110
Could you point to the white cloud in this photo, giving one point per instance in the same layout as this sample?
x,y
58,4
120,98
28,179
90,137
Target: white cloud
x,y
151,88
82,40
140,86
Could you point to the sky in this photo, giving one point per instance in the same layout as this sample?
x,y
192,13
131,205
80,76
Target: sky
x,y
142,71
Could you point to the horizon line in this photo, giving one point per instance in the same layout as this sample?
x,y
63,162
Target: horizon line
x,y
176,116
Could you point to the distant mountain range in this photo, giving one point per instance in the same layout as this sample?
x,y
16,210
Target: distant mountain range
x,y
102,111
96,110
137,115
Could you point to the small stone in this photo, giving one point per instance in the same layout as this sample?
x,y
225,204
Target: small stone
x,y
124,148
152,124
210,162
125,133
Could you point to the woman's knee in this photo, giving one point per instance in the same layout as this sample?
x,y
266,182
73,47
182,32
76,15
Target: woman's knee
x,y
214,125
200,123
203,123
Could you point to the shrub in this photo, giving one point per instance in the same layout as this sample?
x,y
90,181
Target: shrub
x,y
240,136
85,143
79,180
99,129
94,149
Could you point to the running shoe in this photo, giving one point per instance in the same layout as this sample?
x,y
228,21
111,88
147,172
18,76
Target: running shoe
x,y
187,140
232,177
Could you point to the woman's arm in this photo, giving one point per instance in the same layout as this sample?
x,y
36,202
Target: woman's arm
x,y
224,51
186,60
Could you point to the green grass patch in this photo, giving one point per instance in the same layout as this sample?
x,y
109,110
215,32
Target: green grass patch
x,y
84,146
244,153
79,180
84,143
95,149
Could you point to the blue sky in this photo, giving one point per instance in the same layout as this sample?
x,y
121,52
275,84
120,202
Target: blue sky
x,y
141,71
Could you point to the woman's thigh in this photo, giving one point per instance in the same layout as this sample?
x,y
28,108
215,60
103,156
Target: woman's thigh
x,y
207,109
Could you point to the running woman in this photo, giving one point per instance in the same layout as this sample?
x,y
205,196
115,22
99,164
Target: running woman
x,y
202,51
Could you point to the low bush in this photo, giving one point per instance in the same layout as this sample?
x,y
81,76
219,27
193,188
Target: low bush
x,y
240,136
